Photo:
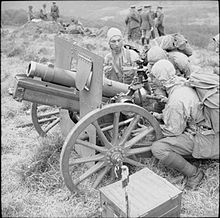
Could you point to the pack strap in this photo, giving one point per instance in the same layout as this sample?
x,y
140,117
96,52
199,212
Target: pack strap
x,y
208,94
117,71
128,56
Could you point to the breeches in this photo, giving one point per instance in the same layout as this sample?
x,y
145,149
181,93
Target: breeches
x,y
134,34
145,33
161,31
182,145
199,146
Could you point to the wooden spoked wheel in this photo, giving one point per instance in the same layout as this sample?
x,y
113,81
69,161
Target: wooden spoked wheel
x,y
118,143
44,118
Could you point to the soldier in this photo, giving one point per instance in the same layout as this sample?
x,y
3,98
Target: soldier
x,y
132,22
216,60
30,13
184,128
45,12
146,25
153,16
216,41
119,62
76,27
42,15
54,12
159,21
139,9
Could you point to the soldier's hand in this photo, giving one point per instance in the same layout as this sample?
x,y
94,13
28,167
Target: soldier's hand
x,y
163,99
157,115
107,68
140,129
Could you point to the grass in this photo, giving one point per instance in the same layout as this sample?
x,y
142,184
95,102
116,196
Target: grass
x,y
32,185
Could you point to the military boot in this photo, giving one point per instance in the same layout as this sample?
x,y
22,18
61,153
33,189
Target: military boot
x,y
176,161
148,41
143,41
194,181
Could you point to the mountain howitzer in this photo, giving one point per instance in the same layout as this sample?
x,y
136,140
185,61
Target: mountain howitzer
x,y
100,118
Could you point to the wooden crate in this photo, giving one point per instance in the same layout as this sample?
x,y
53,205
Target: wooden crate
x,y
149,195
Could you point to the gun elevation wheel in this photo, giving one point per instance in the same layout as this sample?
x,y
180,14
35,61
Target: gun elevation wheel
x,y
120,140
44,118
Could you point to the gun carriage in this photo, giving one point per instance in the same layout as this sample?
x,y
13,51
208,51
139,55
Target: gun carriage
x,y
98,117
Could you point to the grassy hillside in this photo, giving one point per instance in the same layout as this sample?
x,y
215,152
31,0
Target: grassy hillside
x,y
32,185
197,20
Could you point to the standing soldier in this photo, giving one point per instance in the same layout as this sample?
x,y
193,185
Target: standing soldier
x,y
146,25
153,16
54,12
133,24
45,12
139,10
159,21
30,13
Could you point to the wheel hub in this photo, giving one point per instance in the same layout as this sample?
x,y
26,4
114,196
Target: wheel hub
x,y
115,155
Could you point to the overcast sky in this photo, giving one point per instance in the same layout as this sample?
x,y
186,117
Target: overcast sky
x,y
69,8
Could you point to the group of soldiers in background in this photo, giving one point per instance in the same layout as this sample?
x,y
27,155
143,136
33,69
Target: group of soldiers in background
x,y
74,27
43,15
142,23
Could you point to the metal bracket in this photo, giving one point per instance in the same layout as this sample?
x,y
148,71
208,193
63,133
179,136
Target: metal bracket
x,y
83,73
19,94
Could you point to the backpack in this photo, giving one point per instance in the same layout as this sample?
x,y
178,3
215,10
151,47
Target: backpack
x,y
180,62
181,44
172,42
207,88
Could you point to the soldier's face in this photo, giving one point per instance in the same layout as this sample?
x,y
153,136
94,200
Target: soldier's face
x,y
116,43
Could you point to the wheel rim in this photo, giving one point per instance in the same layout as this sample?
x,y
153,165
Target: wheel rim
x,y
118,150
44,121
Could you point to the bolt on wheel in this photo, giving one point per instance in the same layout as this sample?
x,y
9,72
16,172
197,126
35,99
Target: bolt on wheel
x,y
118,141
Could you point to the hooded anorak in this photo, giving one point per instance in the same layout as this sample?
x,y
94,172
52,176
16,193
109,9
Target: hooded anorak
x,y
183,114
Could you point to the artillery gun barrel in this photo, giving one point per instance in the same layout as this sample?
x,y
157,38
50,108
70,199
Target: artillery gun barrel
x,y
52,74
68,78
